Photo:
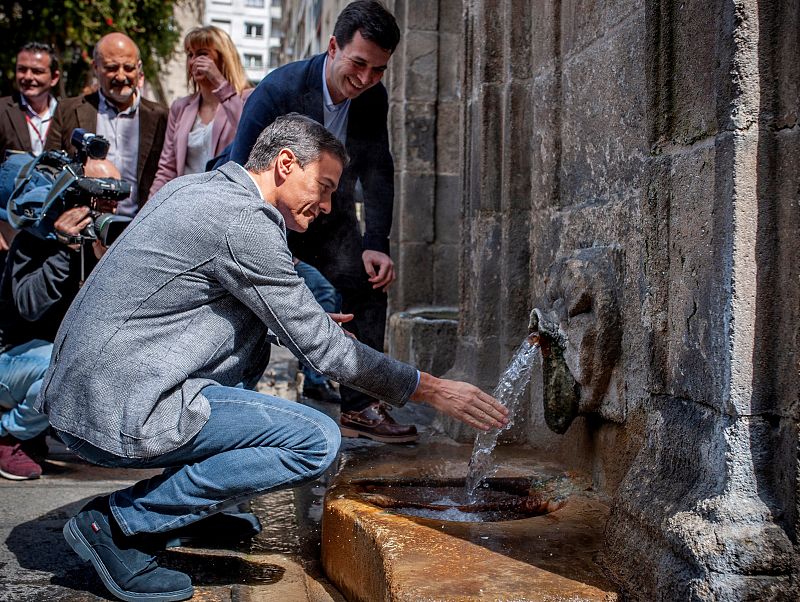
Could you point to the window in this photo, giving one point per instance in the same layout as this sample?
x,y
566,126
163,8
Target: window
x,y
254,61
223,25
254,3
254,30
276,3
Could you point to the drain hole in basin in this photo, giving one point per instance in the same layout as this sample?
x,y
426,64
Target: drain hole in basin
x,y
498,500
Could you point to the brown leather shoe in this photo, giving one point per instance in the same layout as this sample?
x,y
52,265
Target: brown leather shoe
x,y
374,422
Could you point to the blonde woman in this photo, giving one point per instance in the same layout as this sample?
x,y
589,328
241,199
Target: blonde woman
x,y
204,123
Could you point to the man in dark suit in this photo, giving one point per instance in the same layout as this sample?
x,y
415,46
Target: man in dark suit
x,y
341,89
133,125
25,116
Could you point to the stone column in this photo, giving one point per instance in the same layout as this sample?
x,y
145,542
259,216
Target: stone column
x,y
709,508
426,143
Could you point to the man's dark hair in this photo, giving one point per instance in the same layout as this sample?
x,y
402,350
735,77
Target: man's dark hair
x,y
306,138
45,48
373,21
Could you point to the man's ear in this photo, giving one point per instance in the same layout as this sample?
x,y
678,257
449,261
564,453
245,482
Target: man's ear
x,y
285,162
54,79
332,47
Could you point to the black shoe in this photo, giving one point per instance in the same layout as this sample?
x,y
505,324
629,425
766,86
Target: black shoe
x,y
218,530
128,572
321,392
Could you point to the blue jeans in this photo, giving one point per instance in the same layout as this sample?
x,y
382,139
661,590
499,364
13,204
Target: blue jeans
x,y
251,444
21,371
328,298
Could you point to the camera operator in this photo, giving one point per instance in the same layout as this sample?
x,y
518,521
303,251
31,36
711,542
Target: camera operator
x,y
40,280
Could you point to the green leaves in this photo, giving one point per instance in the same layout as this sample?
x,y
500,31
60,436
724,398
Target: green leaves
x,y
73,27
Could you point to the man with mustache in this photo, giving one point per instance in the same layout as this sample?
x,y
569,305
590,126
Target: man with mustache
x,y
133,125
341,89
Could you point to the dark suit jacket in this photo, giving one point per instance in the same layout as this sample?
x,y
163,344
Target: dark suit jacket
x,y
13,129
81,112
298,87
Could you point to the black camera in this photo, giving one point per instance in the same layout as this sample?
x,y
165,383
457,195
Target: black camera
x,y
89,145
36,191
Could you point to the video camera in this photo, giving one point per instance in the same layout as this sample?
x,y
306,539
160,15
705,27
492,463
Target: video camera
x,y
36,191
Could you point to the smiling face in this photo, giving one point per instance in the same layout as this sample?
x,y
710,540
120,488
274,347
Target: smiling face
x,y
303,193
117,67
354,68
33,75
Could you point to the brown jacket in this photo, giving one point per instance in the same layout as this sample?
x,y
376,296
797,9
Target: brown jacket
x,y
13,129
81,112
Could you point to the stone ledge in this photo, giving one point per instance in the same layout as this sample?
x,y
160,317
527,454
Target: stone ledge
x,y
371,554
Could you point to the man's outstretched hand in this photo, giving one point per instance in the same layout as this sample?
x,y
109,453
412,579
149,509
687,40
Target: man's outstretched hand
x,y
462,401
380,269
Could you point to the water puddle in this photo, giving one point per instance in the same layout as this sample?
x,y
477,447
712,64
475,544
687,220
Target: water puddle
x,y
509,391
498,500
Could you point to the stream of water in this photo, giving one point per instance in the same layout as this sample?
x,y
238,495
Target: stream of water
x,y
509,391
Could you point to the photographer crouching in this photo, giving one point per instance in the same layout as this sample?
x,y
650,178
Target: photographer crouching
x,y
64,211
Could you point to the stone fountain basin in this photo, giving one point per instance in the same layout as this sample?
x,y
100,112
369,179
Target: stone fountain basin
x,y
371,551
498,499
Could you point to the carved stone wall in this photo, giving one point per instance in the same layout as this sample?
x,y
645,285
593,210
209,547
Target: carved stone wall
x,y
630,168
426,130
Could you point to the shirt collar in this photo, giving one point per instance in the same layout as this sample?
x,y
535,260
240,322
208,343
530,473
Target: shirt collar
x,y
107,107
326,94
249,175
51,108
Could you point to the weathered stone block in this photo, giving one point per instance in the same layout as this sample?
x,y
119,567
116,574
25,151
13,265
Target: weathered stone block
x,y
604,135
485,276
422,15
520,53
487,147
451,17
517,157
417,217
489,27
414,275
785,18
546,33
584,21
516,303
448,210
449,138
420,137
445,278
694,365
545,142
397,134
424,338
450,68
421,65
688,71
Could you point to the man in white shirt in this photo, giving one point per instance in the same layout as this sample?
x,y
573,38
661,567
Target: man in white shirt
x,y
25,116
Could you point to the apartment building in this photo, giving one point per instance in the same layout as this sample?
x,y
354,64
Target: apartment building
x,y
255,28
308,25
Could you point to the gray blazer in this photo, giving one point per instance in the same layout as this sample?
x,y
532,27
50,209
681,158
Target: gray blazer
x,y
182,300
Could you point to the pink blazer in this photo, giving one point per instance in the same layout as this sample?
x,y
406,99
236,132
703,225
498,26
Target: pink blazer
x,y
182,115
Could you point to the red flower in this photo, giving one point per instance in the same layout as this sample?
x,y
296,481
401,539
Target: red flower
x,y
109,21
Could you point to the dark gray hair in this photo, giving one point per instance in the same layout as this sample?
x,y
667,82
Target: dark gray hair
x,y
306,138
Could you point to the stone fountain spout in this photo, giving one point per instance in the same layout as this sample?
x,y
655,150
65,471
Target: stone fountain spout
x,y
561,392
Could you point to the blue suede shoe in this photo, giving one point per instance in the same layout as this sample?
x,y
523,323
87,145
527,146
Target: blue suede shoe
x,y
218,530
128,572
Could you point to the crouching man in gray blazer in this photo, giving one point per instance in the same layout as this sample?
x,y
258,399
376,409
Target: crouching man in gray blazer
x,y
180,311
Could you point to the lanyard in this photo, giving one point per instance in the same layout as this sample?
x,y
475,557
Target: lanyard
x,y
45,126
